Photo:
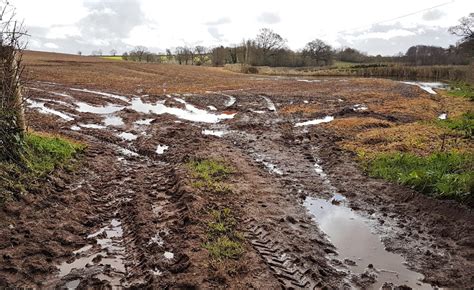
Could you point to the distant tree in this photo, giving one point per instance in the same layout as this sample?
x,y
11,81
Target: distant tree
x,y
465,28
169,55
319,52
268,42
200,54
218,55
125,56
113,52
79,52
138,53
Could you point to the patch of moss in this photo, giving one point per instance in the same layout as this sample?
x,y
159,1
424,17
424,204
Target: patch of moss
x,y
210,175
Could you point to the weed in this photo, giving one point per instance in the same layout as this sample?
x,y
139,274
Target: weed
x,y
224,248
224,242
442,175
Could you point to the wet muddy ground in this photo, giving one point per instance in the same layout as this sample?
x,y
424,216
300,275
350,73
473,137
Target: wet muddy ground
x,y
130,217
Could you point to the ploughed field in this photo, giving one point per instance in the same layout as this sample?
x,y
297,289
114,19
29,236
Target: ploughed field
x,y
199,177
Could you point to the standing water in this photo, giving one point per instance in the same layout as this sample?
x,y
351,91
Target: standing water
x,y
351,234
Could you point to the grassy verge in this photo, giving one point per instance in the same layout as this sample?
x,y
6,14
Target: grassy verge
x,y
441,175
463,124
43,154
224,242
210,174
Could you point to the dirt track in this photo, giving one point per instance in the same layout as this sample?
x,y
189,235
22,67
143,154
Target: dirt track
x,y
129,216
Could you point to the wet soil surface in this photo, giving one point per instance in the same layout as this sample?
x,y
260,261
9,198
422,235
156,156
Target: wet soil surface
x,y
127,216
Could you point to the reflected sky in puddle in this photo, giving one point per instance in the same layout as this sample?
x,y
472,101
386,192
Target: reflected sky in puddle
x,y
45,110
143,122
114,96
351,234
428,86
113,121
108,109
128,136
217,133
316,121
160,149
190,112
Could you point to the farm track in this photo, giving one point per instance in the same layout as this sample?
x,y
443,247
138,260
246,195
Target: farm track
x,y
150,221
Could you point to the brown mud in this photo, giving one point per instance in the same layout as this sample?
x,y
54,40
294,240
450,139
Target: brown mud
x,y
129,216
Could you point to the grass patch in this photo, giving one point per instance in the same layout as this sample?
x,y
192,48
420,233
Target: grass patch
x,y
43,154
464,90
224,242
210,175
441,175
117,57
463,123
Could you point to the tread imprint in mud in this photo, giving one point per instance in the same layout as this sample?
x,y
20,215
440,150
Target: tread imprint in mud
x,y
284,265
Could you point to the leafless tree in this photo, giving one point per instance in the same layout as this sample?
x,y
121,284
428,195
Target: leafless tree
x,y
269,42
12,120
318,51
169,55
465,28
113,52
79,53
139,53
200,54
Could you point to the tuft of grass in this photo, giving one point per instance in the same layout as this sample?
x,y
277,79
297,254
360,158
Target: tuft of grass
x,y
224,242
210,175
463,123
441,175
43,154
224,248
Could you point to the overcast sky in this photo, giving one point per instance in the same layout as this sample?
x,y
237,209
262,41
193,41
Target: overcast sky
x,y
376,27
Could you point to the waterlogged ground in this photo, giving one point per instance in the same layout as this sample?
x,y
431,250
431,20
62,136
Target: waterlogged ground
x,y
130,215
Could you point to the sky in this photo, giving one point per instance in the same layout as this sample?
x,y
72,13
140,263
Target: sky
x,y
374,27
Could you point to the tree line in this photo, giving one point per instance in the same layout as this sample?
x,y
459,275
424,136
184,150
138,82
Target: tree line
x,y
269,48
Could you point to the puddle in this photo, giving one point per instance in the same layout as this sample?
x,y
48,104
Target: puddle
x,y
127,152
231,100
270,104
428,86
217,133
309,81
43,109
316,121
75,128
118,97
212,108
128,136
190,112
351,235
168,255
443,116
108,109
160,149
144,122
92,126
113,121
359,107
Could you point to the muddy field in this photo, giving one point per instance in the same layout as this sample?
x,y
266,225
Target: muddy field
x,y
130,215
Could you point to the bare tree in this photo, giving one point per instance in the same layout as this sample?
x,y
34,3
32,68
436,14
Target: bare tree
x,y
318,51
79,53
269,42
139,53
200,54
12,120
169,55
113,52
465,28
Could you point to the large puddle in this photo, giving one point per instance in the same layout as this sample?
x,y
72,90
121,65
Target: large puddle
x,y
352,236
428,86
190,113
45,110
315,121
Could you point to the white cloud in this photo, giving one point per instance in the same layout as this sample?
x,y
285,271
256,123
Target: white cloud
x,y
51,45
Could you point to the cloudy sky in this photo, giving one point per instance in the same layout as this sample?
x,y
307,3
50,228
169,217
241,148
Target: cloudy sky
x,y
376,27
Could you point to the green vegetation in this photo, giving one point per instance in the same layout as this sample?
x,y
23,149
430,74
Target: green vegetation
x,y
210,175
442,175
117,57
224,242
461,89
43,153
464,124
